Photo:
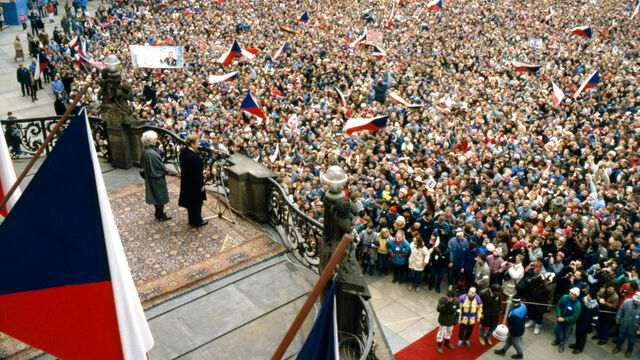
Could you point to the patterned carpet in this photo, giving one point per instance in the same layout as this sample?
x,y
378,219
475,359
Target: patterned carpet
x,y
170,258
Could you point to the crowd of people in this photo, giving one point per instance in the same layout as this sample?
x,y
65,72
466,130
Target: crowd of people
x,y
487,184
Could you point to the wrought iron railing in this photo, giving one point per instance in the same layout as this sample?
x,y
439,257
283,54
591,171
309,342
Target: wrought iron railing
x,y
33,131
301,236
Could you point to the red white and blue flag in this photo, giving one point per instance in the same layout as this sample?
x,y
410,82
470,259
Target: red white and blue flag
x,y
557,95
390,18
592,81
249,53
378,53
635,10
202,44
41,63
303,18
213,79
548,15
393,96
65,285
524,67
73,43
343,102
434,5
228,57
584,31
249,105
84,59
373,124
360,40
280,51
7,176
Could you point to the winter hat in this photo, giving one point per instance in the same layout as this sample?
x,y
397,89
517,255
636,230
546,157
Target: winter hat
x,y
576,291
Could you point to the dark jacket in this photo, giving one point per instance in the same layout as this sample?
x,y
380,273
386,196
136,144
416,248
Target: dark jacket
x,y
516,320
490,308
588,315
191,180
59,106
155,184
448,312
23,75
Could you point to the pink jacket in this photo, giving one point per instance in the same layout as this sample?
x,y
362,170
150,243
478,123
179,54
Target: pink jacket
x,y
495,263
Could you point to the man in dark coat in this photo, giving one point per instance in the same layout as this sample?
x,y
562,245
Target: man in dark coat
x,y
448,315
586,321
192,192
23,79
153,172
491,310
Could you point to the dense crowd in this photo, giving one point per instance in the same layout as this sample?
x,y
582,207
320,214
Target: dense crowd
x,y
488,183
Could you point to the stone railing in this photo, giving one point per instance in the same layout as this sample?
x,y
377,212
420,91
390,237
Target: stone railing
x,y
301,236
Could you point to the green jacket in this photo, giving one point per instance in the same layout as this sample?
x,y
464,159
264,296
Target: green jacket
x,y
448,312
569,310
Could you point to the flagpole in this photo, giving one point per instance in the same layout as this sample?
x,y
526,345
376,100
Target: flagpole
x,y
46,142
313,296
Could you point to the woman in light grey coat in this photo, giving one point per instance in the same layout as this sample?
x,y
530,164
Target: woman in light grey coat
x,y
153,171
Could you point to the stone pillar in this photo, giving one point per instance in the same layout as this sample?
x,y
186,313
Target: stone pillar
x,y
119,146
249,187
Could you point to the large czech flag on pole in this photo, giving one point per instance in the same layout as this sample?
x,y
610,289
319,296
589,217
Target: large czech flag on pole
x,y
435,5
592,81
249,105
322,341
373,124
65,285
7,176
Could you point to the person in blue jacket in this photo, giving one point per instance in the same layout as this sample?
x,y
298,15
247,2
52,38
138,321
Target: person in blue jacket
x,y
457,246
516,321
399,251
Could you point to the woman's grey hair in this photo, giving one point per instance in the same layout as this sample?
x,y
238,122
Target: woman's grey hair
x,y
149,138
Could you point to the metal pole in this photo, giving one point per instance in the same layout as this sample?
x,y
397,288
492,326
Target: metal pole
x,y
313,296
43,147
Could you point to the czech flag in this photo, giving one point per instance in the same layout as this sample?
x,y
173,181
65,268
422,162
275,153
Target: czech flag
x,y
249,53
361,39
73,43
303,18
435,5
228,57
558,94
280,51
322,341
523,67
373,124
289,30
635,11
390,19
548,15
249,105
592,81
65,285
378,53
582,31
7,176
400,101
84,59
41,64
343,102
213,79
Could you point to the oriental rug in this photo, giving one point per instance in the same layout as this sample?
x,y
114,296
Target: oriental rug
x,y
169,258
